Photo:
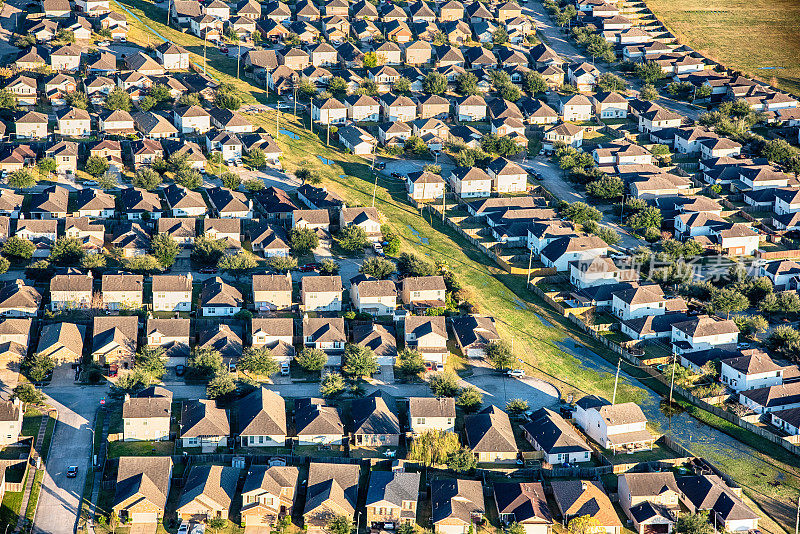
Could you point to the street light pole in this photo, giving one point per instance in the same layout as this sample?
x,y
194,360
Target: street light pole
x,y
238,57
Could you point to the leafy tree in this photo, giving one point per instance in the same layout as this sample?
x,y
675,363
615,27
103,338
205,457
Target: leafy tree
x,y
255,158
649,217
188,178
444,384
207,250
77,99
610,82
4,265
584,524
728,300
359,360
462,460
18,247
237,263
392,240
340,524
499,353
609,235
160,93
580,212
433,447
469,399
259,360
337,86
784,339
778,151
146,178
696,523
410,362
331,385
221,385
39,366
189,99
66,251
510,92
329,267
533,82
402,86
306,88
118,99
380,268
788,302
606,187
751,325
467,84
517,406
227,97
649,72
254,185
312,359
648,93
515,528
231,180
204,363
25,41
435,83
282,264
353,238
598,47
308,176
28,394
500,36
21,179
65,36
303,241
147,103
415,145
7,100
144,264
502,146
151,360
47,166
370,60
165,249
409,264
96,165
368,87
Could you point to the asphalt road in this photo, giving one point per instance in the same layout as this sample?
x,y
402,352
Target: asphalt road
x,y
564,47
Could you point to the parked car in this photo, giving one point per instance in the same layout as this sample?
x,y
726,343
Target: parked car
x,y
112,371
516,373
208,270
180,370
103,43
223,49
72,471
397,175
378,248
380,165
309,267
285,369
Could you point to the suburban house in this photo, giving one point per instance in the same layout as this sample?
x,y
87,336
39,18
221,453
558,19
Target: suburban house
x,y
375,422
424,186
618,427
380,339
321,293
431,413
392,498
373,296
650,500
753,370
473,334
262,419
366,218
332,490
490,436
18,299
62,342
272,291
577,498
525,504
208,492
326,334
470,182
771,398
142,488
171,335
424,291
548,432
428,336
268,494
71,291
723,503
219,299
146,417
275,333
122,291
703,332
317,424
456,505
114,341
204,425
172,292
11,414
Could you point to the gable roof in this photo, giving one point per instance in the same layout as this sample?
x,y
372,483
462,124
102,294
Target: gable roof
x,y
262,413
490,431
213,485
203,418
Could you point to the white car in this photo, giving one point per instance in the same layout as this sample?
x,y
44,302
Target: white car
x,y
103,43
285,369
516,373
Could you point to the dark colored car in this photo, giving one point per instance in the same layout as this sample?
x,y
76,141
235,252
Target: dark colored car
x,y
179,370
308,267
397,175
112,371
208,270
72,471
380,165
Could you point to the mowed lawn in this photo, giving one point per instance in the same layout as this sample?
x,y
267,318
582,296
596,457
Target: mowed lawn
x,y
747,35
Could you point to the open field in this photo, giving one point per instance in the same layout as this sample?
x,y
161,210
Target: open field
x,y
748,35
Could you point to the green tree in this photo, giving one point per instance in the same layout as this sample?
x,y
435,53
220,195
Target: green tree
x,y
165,249
353,238
751,325
255,158
189,99
21,179
609,235
725,301
146,178
207,250
38,366
517,406
584,524
308,176
188,178
778,151
259,360
231,180
648,93
65,36
303,241
19,248
432,447
500,36
410,362
499,353
379,268
221,385
785,340
610,82
368,87
533,82
329,267
227,97
47,166
370,60
444,384
118,99
402,86
306,88
238,263
340,525
435,83
515,528
253,185
160,93
649,217
147,103
409,264
331,385
697,523
415,145
467,84
580,212
510,92
144,264
462,460
606,187
649,72
469,399
7,100
96,165
28,394
4,265
77,99
312,359
501,145
66,251
359,360
204,364
282,264
337,86
152,361
392,240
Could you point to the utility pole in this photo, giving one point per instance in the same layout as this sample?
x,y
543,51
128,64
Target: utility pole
x,y
266,80
797,519
444,200
238,57
616,381
277,121
311,114
205,34
328,135
295,96
528,282
169,8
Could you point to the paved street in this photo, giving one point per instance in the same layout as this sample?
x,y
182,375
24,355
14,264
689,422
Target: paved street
x,y
564,47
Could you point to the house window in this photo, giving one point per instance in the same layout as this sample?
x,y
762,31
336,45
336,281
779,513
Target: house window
x,y
420,420
261,439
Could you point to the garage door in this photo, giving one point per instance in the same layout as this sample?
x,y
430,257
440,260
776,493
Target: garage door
x,y
144,517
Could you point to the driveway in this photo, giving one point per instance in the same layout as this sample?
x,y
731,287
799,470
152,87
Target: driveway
x,y
498,389
407,166
270,177
9,377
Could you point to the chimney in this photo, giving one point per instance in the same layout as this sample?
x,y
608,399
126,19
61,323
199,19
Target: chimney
x,y
127,397
584,485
